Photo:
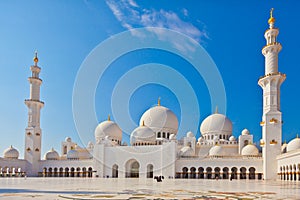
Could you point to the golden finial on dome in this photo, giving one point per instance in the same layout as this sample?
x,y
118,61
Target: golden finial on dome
x,y
216,110
35,59
158,101
108,118
297,136
271,19
143,123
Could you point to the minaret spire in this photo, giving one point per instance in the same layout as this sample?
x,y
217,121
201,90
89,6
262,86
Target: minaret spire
x,y
35,58
271,20
33,131
272,117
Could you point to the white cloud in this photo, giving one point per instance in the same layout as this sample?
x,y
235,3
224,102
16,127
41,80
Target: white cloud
x,y
133,3
131,15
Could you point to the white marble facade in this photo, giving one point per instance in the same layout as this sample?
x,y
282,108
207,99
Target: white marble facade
x,y
155,149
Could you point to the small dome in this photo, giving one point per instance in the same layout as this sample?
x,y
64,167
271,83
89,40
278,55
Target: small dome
x,y
72,154
11,153
293,145
216,123
232,138
250,150
216,151
190,134
245,132
142,134
186,151
68,139
108,128
158,118
51,155
172,137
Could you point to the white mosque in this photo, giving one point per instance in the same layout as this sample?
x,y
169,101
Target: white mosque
x,y
154,149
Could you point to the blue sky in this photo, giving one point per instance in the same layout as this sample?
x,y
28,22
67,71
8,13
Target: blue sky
x,y
65,32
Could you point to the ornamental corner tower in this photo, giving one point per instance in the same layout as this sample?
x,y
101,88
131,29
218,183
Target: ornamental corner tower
x,y
33,132
272,117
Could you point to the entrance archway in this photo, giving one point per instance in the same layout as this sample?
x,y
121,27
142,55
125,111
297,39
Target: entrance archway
x,y
132,169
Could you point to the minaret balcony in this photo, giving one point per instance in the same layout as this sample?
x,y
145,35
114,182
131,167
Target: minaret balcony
x,y
272,74
272,47
34,101
34,79
272,29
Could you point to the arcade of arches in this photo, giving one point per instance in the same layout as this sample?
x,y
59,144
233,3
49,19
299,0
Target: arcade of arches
x,y
11,172
67,172
218,173
290,172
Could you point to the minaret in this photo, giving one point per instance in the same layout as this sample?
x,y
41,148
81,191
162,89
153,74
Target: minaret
x,y
33,132
271,118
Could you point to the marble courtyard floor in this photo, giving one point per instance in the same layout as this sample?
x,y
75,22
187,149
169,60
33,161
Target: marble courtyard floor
x,y
96,188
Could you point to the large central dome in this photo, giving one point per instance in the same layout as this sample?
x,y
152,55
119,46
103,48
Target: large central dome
x,y
160,119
